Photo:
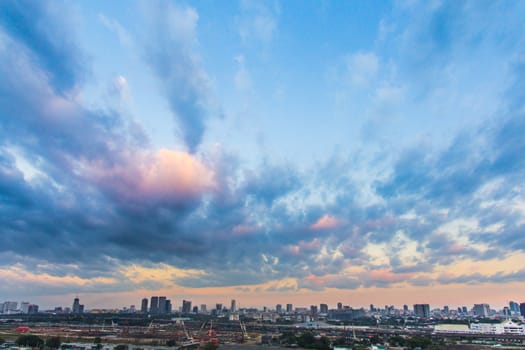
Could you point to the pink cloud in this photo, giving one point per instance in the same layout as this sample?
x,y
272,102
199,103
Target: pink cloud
x,y
326,222
386,276
242,230
162,176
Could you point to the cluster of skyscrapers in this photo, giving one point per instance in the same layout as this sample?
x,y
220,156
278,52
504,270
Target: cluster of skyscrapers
x,y
158,305
11,307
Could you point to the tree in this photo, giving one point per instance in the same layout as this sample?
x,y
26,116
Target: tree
x,y
210,346
98,342
29,340
171,342
2,341
397,340
53,342
419,342
121,347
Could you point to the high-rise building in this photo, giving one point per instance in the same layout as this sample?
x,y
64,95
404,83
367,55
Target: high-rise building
x,y
422,310
506,311
405,308
514,307
313,309
77,307
154,305
24,307
464,310
289,308
162,305
339,306
522,309
446,309
33,309
203,308
186,306
76,303
144,306
10,306
323,308
372,308
482,310
233,307
218,307
167,310
279,308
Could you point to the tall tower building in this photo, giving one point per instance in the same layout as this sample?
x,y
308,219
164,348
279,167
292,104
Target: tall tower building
x,y
323,308
154,305
279,308
289,308
482,310
186,306
514,307
422,310
24,307
76,305
233,307
144,306
162,305
522,309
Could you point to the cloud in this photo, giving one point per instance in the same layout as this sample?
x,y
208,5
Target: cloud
x,y
258,21
39,28
170,49
242,79
123,36
130,216
165,177
362,68
325,222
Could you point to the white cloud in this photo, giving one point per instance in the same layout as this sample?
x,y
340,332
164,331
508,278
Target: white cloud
x,y
362,68
258,21
242,78
113,25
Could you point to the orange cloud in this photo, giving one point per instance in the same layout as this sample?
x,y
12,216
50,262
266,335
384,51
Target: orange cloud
x,y
325,222
386,276
175,172
164,175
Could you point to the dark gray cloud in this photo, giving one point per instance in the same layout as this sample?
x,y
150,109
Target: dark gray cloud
x,y
170,50
39,28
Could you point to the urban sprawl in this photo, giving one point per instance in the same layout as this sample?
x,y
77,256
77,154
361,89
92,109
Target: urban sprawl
x,y
157,324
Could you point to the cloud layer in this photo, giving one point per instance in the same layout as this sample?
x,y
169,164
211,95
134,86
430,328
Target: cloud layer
x,y
87,204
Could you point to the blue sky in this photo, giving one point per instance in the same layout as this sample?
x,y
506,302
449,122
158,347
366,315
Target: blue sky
x,y
363,152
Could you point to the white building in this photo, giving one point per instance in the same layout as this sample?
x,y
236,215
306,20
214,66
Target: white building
x,y
505,327
9,306
24,307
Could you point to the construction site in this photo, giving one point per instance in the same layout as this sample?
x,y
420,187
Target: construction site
x,y
176,332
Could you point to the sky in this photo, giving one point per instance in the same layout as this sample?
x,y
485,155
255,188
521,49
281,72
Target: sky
x,y
270,152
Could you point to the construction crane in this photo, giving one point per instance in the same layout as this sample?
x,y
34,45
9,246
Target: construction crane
x,y
244,332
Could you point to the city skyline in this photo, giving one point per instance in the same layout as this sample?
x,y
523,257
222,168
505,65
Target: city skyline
x,y
157,305
264,151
